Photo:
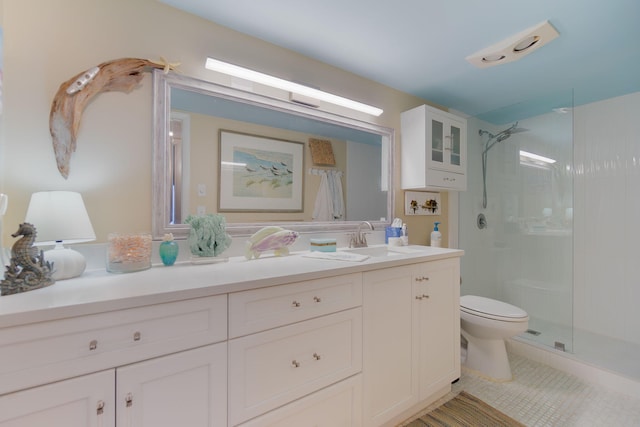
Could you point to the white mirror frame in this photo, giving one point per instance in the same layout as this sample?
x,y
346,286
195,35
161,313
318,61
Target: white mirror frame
x,y
161,181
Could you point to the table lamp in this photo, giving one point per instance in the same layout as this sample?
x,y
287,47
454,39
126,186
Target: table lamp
x,y
60,217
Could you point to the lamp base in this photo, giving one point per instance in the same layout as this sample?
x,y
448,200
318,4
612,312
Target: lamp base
x,y
67,263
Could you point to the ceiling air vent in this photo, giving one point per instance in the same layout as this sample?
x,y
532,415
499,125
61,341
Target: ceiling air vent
x,y
514,47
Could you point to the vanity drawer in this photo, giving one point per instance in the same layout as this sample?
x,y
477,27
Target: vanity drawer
x,y
261,309
49,351
335,406
272,368
445,179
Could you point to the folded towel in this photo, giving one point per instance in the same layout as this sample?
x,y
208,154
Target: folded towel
x,y
337,256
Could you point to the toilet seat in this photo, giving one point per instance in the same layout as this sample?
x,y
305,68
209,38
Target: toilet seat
x,y
492,309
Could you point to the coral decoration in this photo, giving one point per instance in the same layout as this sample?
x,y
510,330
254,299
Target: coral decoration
x,y
208,236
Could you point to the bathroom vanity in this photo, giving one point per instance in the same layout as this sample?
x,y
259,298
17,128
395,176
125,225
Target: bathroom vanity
x,y
275,341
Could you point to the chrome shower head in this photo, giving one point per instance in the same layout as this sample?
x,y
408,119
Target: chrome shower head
x,y
500,136
490,142
503,135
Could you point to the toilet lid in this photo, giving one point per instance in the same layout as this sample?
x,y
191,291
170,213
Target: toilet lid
x,y
491,308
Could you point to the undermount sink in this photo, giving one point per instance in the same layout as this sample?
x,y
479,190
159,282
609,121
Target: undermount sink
x,y
382,251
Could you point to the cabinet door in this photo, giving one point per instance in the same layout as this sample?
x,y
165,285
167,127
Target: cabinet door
x,y
390,356
182,389
447,137
437,295
86,401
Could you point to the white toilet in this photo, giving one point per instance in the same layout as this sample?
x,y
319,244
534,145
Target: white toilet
x,y
485,324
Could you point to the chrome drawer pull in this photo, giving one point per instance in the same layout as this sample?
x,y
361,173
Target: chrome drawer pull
x,y
316,356
128,399
317,299
100,407
295,364
295,304
425,296
93,344
418,297
136,336
422,279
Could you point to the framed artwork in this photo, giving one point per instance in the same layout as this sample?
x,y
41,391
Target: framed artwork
x,y
260,174
421,203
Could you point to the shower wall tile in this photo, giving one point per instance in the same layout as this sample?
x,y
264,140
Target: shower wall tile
x,y
607,234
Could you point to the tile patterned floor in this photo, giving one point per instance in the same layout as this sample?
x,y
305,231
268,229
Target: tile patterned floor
x,y
543,396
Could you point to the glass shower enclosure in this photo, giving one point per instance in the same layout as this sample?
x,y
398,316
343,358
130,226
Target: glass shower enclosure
x,y
516,218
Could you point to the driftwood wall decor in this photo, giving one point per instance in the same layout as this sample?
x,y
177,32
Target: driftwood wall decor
x,y
122,75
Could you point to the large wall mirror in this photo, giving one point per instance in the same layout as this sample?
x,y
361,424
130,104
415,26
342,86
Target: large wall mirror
x,y
247,156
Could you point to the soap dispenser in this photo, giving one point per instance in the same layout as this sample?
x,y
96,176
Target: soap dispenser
x,y
436,236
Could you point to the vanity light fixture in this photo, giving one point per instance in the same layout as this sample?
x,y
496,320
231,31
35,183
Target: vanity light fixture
x,y
60,217
515,47
294,88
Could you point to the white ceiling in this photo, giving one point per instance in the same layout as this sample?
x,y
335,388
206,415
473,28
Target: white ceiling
x,y
419,46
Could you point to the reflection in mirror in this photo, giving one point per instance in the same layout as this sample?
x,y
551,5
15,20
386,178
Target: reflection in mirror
x,y
190,116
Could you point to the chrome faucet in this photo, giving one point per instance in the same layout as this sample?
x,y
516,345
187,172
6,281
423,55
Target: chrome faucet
x,y
358,239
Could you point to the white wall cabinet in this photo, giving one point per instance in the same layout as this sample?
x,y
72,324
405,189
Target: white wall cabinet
x,y
411,338
433,149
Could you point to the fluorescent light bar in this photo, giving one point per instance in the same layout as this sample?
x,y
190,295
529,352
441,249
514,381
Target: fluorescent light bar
x,y
265,79
223,163
536,157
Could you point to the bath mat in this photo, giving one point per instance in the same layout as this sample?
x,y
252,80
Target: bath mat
x,y
464,410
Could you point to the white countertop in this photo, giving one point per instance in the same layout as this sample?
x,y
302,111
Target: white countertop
x,y
98,291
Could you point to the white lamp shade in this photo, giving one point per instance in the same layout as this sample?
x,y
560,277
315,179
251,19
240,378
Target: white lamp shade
x,y
59,216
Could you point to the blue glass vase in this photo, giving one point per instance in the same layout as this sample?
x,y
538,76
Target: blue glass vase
x,y
168,252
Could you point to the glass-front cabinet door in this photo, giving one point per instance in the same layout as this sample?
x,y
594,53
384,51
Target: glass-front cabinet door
x,y
446,143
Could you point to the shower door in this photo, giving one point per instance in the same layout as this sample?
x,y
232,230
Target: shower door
x,y
524,256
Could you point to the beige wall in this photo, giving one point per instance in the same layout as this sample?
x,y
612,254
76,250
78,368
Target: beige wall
x,y
47,42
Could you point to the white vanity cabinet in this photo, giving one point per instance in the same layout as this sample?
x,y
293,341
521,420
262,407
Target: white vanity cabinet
x,y
433,149
331,344
295,343
186,388
390,364
338,405
86,401
154,353
437,306
411,338
183,389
